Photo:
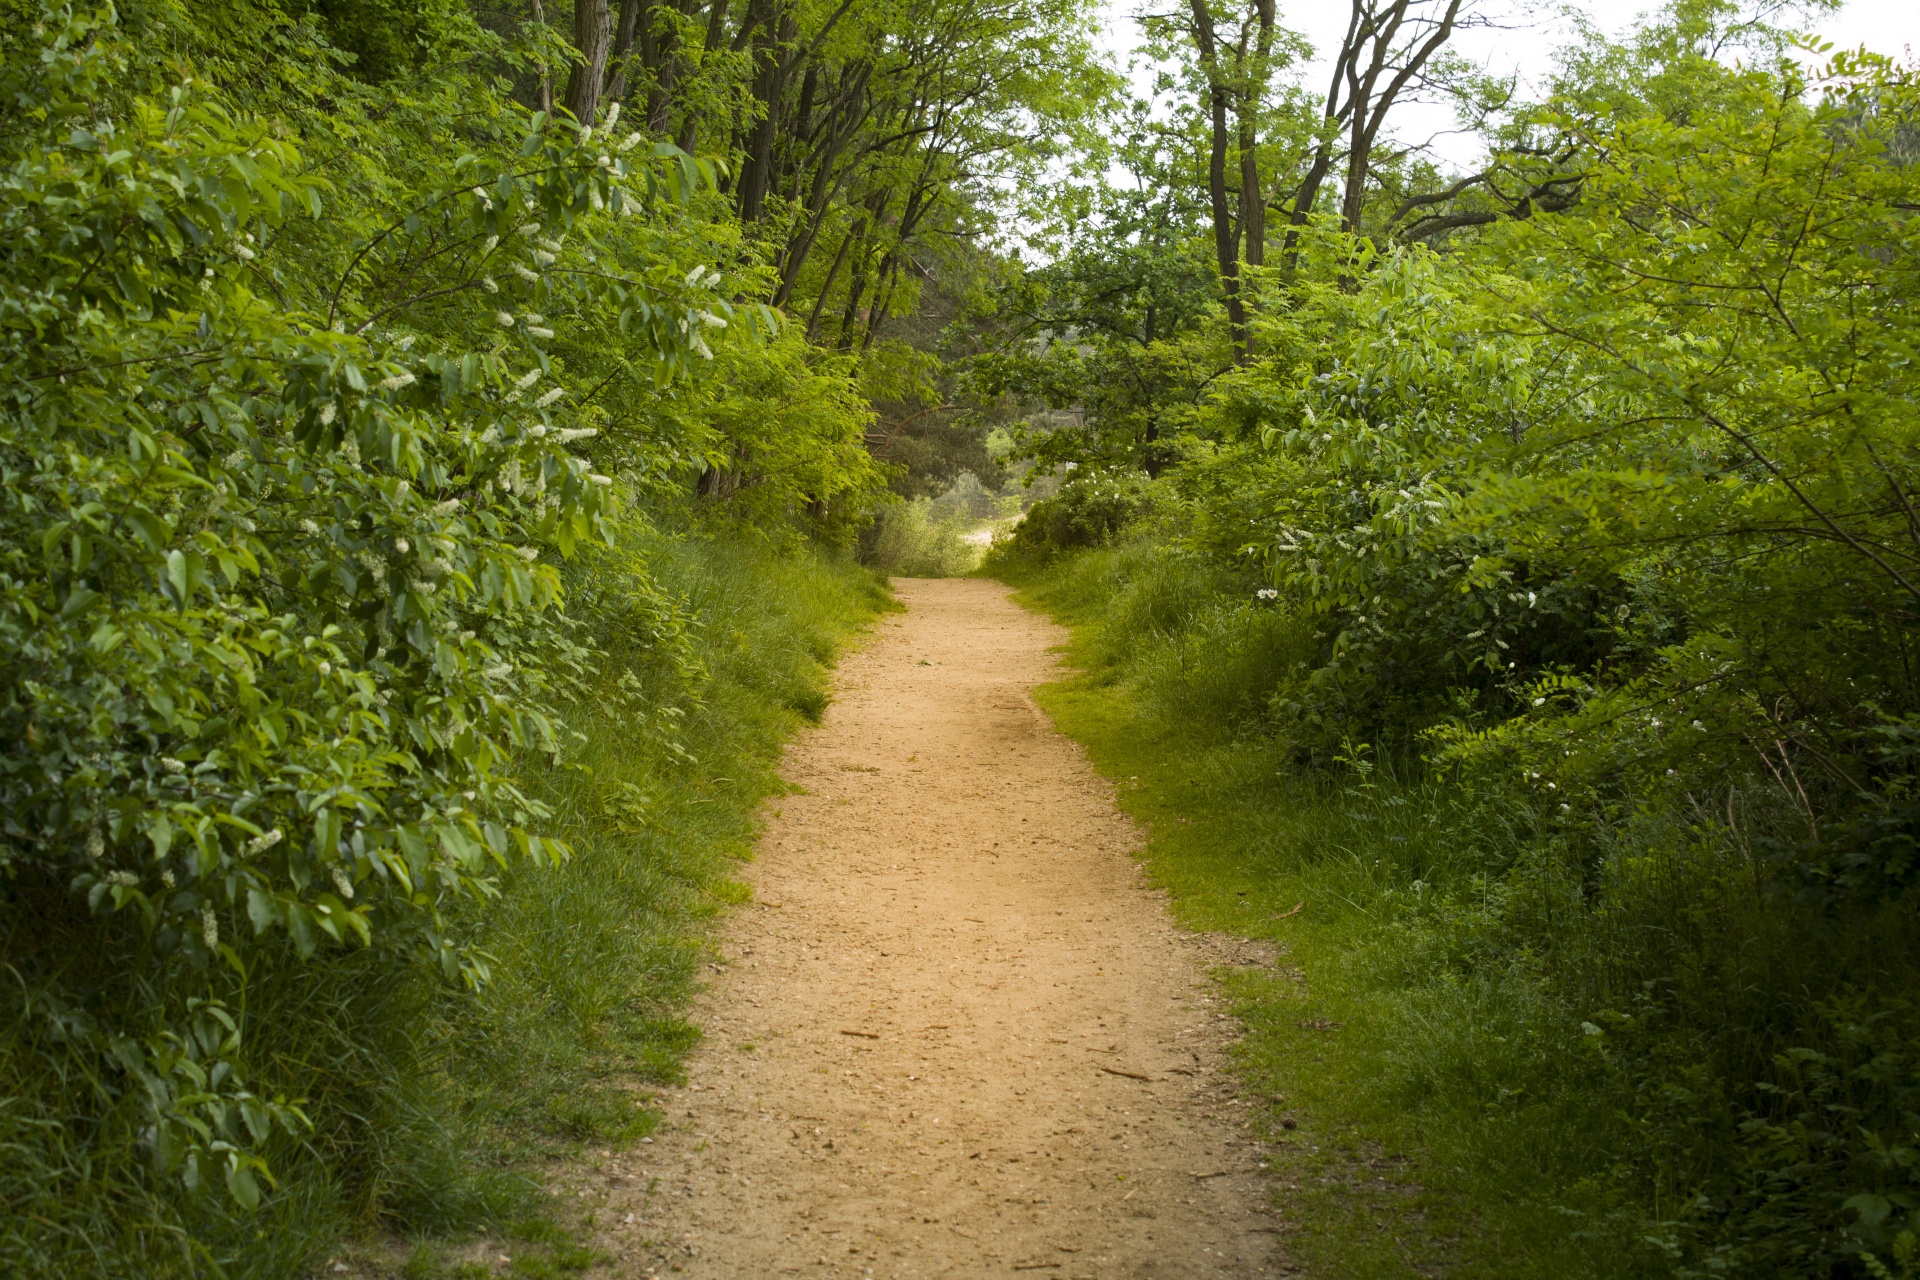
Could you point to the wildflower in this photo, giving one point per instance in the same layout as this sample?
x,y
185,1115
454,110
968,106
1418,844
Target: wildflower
x,y
613,117
173,766
504,319
600,480
487,283
402,546
1539,701
1701,727
342,882
396,382
712,321
447,508
96,843
541,258
326,668
327,411
529,554
526,380
1267,593
493,242
549,398
309,528
166,877
540,331
209,928
627,143
693,276
498,672
126,879
243,253
571,434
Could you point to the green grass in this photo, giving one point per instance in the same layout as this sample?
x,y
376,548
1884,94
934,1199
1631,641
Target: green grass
x,y
437,1111
596,961
1443,1117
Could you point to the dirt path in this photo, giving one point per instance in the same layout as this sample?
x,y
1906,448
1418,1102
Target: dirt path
x,y
956,1034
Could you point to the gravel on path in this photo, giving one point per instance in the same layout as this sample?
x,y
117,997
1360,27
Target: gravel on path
x,y
956,1034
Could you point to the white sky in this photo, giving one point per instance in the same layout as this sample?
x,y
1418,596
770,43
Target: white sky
x,y
1523,44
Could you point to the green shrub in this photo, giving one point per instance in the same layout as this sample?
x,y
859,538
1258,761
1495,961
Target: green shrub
x,y
906,539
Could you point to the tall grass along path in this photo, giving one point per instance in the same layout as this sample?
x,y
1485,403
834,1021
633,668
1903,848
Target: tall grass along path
x,y
955,1033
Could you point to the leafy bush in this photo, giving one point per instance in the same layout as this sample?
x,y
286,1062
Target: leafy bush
x,y
328,435
908,540
1089,511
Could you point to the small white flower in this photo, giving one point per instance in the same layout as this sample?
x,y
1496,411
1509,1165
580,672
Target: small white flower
x,y
326,668
552,246
700,347
309,528
712,321
526,380
529,554
209,928
402,546
499,672
540,331
1539,702
526,273
493,242
447,508
96,843
405,343
693,276
166,877
504,319
627,143
605,161
126,879
549,397
327,411
243,253
173,766
600,480
613,116
1701,727
396,382
343,882
1267,593
487,283
571,434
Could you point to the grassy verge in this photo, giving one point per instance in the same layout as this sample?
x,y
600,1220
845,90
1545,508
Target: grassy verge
x,y
677,733
1430,1116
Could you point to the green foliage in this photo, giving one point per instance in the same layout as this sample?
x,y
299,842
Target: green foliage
x,y
1089,510
1587,552
333,417
909,539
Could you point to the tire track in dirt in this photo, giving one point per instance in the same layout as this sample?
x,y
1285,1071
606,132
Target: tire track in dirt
x,y
979,1046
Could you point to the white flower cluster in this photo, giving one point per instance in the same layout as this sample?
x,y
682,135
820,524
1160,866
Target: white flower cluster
x,y
262,843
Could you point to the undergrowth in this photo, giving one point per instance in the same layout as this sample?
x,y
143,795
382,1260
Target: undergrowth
x,y
1492,1046
434,1108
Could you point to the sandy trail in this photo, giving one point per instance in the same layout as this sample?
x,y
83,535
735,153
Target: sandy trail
x,y
956,1035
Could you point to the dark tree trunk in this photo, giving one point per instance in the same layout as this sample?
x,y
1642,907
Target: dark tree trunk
x,y
593,36
1226,230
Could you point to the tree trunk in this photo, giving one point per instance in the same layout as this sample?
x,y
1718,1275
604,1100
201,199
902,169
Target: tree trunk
x,y
622,56
1226,231
593,36
543,92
